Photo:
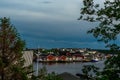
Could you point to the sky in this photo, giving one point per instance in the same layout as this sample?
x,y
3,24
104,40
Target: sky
x,y
50,23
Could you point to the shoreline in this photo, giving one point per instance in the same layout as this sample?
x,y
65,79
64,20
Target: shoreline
x,y
64,61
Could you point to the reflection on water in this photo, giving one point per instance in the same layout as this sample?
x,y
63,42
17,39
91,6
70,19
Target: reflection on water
x,y
72,68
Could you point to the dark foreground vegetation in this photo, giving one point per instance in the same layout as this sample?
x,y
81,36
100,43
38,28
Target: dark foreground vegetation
x,y
107,31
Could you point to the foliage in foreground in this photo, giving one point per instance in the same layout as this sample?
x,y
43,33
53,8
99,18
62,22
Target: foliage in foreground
x,y
11,56
108,17
11,47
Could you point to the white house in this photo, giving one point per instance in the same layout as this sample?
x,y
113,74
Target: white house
x,y
28,56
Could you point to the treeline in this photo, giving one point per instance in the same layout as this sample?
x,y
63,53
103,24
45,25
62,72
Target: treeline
x,y
107,51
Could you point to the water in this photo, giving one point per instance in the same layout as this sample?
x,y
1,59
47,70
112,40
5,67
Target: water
x,y
72,68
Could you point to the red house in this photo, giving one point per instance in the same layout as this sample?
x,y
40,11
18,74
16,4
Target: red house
x,y
50,57
78,57
62,58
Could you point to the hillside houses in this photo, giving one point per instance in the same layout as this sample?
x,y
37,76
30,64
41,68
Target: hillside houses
x,y
67,55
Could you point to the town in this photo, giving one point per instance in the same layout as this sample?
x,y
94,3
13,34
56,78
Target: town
x,y
68,55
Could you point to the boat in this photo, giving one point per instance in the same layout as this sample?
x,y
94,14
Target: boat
x,y
95,60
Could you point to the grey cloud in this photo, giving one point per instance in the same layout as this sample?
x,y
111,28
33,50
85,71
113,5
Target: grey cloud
x,y
49,25
47,2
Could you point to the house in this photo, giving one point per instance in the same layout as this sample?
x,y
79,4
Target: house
x,y
77,57
68,54
28,56
62,58
50,57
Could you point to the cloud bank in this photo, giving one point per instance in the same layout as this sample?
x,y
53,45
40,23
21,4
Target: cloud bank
x,y
49,23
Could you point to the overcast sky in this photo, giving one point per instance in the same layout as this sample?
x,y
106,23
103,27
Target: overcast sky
x,y
50,23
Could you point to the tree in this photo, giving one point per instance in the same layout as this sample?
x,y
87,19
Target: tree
x,y
108,17
11,47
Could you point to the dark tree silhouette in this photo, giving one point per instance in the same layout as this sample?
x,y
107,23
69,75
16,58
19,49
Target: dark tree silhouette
x,y
11,47
108,17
